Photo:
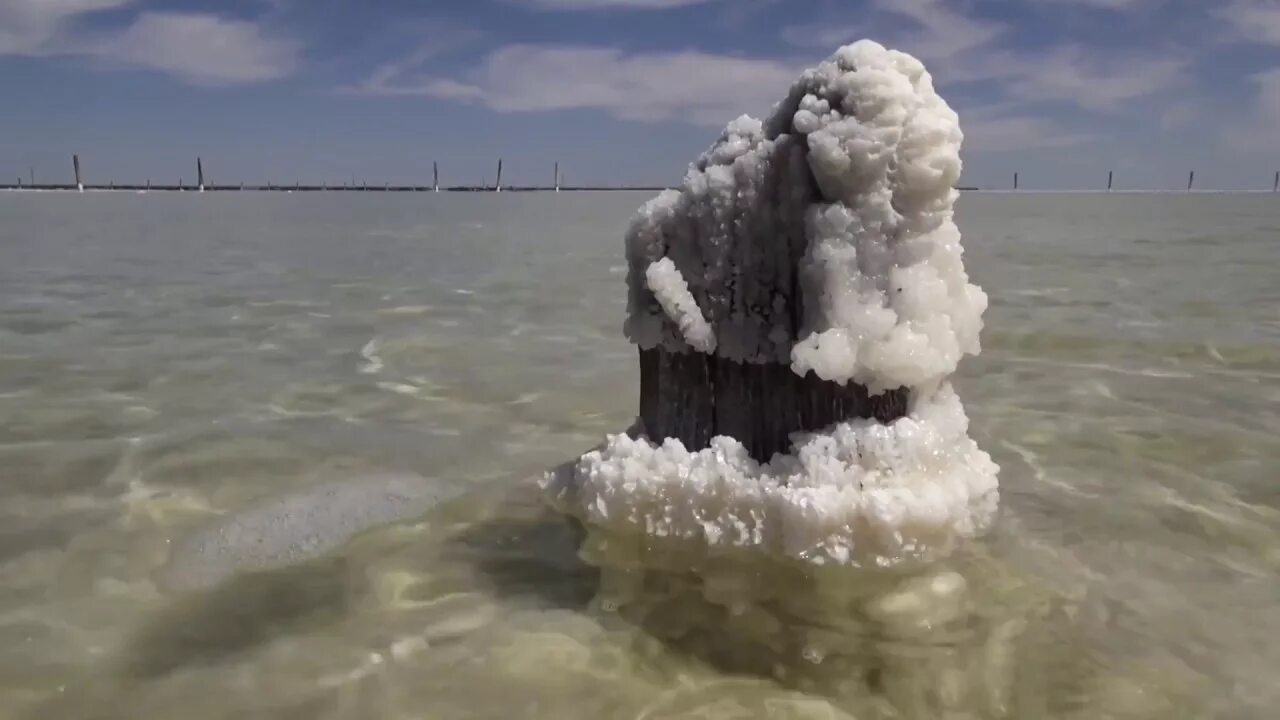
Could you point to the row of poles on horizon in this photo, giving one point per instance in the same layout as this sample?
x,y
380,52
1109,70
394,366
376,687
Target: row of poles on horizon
x,y
1191,181
200,183
496,187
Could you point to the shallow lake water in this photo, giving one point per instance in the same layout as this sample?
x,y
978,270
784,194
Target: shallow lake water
x,y
169,358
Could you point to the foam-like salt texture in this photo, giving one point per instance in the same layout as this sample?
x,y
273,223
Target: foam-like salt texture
x,y
822,238
847,189
860,494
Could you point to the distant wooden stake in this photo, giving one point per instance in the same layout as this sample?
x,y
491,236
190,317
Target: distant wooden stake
x,y
498,186
75,162
200,174
1110,177
1191,180
1015,181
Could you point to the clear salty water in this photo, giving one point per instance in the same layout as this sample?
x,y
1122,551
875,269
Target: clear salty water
x,y
166,358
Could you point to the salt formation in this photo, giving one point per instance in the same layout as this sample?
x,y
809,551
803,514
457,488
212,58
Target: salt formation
x,y
821,239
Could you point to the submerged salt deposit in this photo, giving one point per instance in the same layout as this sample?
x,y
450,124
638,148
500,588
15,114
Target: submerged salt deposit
x,y
297,527
862,493
823,238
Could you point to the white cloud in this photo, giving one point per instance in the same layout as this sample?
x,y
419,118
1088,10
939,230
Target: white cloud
x,y
688,86
1254,20
608,4
27,27
199,48
195,47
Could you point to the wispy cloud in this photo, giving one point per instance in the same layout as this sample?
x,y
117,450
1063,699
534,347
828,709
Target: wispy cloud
x,y
694,87
1104,4
939,31
1002,128
608,4
1180,115
1254,20
961,48
1256,130
198,48
29,27
406,75
1093,80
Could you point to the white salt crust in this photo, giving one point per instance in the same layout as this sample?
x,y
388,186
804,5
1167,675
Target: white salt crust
x,y
861,494
847,189
666,283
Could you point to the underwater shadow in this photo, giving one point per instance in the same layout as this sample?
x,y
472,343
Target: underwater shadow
x,y
244,612
533,559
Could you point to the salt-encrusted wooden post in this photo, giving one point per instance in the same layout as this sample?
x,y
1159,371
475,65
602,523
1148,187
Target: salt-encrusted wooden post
x,y
799,304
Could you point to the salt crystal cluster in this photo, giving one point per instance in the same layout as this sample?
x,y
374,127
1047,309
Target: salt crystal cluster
x,y
823,238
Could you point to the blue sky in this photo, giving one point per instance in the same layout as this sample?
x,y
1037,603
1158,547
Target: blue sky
x,y
619,91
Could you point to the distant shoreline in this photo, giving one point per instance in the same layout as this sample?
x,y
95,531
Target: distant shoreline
x,y
321,188
526,189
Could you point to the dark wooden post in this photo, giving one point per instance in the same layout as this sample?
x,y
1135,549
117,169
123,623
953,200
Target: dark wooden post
x,y
693,397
